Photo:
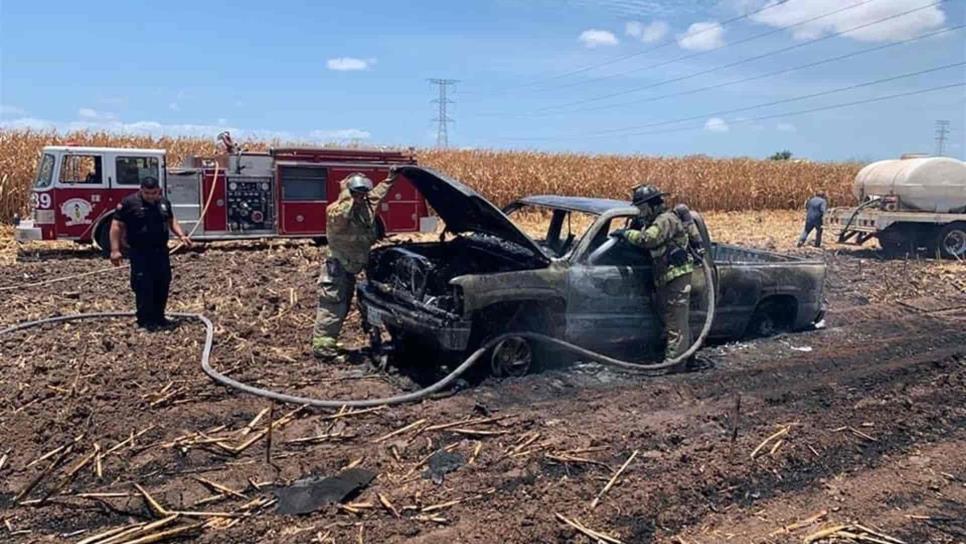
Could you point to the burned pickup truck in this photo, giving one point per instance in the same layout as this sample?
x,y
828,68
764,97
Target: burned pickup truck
x,y
486,277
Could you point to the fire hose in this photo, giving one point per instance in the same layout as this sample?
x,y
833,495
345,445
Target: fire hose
x,y
710,298
855,213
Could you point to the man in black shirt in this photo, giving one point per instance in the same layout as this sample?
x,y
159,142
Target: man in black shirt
x,y
141,223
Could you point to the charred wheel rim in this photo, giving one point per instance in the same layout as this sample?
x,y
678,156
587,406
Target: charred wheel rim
x,y
954,243
511,356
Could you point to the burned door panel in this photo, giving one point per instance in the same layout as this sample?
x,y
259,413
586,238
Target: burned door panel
x,y
739,290
609,308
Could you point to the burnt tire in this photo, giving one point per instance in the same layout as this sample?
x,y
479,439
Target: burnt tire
x,y
508,319
952,241
513,356
771,317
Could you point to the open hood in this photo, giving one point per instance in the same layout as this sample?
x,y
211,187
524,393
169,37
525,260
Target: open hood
x,y
464,210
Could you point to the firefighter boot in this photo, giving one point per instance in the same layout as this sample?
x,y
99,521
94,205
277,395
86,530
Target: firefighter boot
x,y
326,348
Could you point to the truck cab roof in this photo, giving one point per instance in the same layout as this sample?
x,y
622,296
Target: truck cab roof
x,y
592,206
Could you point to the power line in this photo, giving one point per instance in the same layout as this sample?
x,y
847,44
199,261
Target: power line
x,y
805,111
612,132
622,58
942,129
727,45
742,61
813,110
442,119
757,77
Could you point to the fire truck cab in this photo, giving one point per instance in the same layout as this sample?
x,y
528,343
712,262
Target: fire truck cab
x,y
280,193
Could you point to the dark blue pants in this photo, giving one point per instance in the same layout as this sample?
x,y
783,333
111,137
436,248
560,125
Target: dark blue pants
x,y
150,281
815,224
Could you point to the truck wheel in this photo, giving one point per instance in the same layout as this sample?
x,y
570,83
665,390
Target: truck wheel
x,y
773,315
102,237
511,357
515,355
952,241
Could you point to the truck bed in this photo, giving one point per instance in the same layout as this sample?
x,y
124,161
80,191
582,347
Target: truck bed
x,y
730,254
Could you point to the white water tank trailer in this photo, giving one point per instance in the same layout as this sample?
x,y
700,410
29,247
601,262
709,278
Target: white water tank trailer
x,y
909,204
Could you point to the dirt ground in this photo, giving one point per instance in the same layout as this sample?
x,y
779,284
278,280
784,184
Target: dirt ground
x,y
102,427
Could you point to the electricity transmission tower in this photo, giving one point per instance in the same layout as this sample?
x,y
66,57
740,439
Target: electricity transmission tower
x,y
442,119
942,129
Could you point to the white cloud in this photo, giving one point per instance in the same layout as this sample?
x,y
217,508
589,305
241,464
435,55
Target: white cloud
x,y
11,111
340,134
647,33
94,121
174,106
592,38
634,29
702,36
348,64
28,123
655,32
716,124
91,114
786,127
897,29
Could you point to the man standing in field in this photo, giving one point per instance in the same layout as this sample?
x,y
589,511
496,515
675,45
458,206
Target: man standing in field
x,y
351,229
815,209
667,239
141,223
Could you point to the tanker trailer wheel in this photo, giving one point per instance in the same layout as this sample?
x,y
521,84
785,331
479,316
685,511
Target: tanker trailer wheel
x,y
952,241
511,357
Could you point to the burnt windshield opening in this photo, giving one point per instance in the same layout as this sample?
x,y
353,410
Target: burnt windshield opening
x,y
555,230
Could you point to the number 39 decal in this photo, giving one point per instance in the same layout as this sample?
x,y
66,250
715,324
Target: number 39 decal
x,y
41,201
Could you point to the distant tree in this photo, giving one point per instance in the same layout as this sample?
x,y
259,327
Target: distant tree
x,y
781,156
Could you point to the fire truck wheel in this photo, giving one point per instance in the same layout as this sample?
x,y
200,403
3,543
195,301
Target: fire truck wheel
x,y
102,237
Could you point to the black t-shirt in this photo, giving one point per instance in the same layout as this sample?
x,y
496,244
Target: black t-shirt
x,y
146,222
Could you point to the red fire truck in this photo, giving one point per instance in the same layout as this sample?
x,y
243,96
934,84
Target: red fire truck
x,y
281,193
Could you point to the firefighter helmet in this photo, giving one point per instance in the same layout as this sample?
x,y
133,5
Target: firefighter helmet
x,y
358,183
645,193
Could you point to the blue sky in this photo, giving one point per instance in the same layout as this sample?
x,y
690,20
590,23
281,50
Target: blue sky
x,y
533,74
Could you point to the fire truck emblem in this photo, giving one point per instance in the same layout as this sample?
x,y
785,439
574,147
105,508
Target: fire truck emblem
x,y
77,211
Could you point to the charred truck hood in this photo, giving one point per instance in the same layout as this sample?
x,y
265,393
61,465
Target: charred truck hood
x,y
463,210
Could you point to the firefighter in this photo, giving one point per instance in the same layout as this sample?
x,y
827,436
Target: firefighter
x,y
815,209
351,229
141,224
667,238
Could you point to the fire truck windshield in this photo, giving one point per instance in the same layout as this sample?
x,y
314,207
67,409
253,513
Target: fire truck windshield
x,y
45,171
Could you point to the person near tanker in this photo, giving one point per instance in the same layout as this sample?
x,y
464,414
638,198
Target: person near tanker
x,y
668,239
351,229
815,208
141,224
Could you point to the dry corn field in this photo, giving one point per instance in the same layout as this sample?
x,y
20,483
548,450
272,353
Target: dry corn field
x,y
708,183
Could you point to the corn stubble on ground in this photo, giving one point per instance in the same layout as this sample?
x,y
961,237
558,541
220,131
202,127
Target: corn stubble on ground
x,y
113,435
110,431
